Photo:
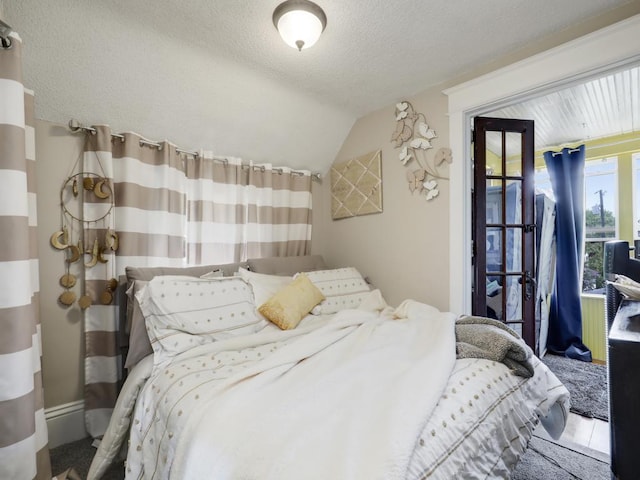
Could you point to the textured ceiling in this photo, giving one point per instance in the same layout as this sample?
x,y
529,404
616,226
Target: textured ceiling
x,y
372,51
216,75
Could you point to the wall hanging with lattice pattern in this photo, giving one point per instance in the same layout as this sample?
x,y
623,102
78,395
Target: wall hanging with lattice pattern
x,y
356,186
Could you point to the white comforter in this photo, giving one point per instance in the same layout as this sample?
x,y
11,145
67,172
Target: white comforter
x,y
344,399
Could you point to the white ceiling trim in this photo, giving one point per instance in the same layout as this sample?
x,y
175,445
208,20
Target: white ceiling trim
x,y
602,50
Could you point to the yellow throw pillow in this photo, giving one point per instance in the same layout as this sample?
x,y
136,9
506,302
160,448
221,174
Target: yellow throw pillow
x,y
290,304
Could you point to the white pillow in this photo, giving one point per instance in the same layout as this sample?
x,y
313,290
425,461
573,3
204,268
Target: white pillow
x,y
264,286
343,288
184,312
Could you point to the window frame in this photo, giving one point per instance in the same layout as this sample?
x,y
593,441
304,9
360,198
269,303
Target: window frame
x,y
616,207
613,159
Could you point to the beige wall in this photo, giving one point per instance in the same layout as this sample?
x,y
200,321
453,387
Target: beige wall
x,y
403,250
62,340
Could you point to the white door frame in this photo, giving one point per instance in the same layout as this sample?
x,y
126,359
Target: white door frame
x,y
607,49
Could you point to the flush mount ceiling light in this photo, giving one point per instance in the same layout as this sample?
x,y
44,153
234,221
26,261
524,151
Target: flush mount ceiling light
x,y
300,22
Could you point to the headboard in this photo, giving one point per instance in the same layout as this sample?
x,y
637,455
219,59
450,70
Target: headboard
x,y
617,260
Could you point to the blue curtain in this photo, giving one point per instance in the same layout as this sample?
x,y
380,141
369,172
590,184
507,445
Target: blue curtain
x,y
566,171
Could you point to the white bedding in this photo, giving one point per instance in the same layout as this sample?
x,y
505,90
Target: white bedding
x,y
483,422
346,399
348,396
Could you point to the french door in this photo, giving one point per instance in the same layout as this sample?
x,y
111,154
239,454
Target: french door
x,y
504,224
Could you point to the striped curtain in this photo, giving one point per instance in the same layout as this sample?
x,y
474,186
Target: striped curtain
x,y
238,211
24,451
149,216
173,209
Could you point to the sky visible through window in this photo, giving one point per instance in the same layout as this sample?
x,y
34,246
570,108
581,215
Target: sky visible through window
x,y
599,175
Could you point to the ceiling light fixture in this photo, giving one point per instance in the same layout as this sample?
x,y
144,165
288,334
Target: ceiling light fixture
x,y
299,22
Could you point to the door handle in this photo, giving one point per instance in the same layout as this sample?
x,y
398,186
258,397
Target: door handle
x,y
531,285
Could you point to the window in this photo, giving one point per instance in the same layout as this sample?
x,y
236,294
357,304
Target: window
x,y
600,202
543,182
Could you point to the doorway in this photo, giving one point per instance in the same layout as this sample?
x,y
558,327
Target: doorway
x,y
608,49
597,113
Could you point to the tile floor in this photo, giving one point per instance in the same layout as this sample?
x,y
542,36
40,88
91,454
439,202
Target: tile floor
x,y
583,433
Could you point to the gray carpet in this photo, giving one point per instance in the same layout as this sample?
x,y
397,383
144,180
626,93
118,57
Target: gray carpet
x,y
79,455
586,382
542,461
545,460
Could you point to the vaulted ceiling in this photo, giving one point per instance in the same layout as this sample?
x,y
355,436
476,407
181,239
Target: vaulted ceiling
x,y
214,74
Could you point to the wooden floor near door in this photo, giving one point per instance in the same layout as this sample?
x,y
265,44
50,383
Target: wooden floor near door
x,y
588,435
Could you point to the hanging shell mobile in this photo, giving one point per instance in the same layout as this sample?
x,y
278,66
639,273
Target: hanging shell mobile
x,y
61,239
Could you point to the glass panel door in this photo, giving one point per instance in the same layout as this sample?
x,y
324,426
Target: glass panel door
x,y
504,236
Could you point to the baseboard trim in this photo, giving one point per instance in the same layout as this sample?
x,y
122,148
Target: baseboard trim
x,y
65,423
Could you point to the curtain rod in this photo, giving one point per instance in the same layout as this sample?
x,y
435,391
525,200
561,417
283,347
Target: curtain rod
x,y
571,150
613,144
604,145
76,126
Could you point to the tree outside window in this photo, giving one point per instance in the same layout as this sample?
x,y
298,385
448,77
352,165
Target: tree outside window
x,y
601,180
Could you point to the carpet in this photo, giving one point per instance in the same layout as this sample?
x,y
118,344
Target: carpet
x,y
79,455
543,460
546,460
586,382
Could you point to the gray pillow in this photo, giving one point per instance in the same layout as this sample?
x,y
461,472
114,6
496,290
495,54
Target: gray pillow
x,y
137,277
286,265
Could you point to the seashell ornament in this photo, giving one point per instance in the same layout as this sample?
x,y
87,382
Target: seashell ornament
x,y
67,298
68,280
112,284
60,239
106,297
87,183
84,302
97,189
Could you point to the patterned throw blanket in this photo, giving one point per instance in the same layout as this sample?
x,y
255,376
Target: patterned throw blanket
x,y
480,337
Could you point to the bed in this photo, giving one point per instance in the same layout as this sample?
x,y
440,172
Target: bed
x,y
285,369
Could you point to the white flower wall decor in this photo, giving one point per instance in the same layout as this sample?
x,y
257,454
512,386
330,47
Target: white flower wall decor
x,y
414,138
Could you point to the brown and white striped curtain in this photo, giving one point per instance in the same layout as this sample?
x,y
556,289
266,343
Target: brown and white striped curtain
x,y
150,220
24,451
238,211
173,209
